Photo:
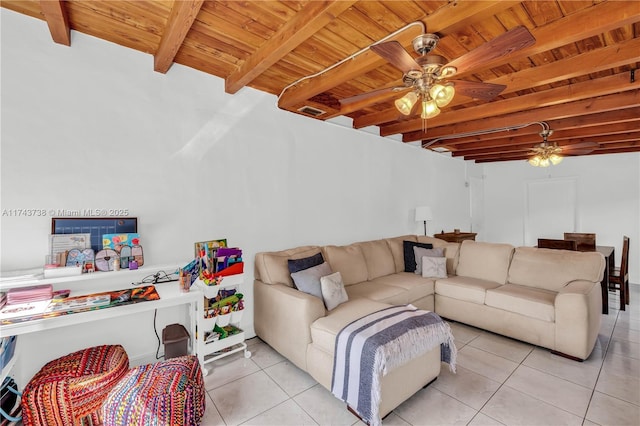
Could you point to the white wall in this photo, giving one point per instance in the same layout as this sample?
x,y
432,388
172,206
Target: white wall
x,y
607,200
92,126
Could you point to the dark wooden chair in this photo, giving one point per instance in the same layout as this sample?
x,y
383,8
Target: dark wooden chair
x,y
586,241
557,244
619,277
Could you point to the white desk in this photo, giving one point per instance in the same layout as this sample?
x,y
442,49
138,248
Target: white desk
x,y
170,296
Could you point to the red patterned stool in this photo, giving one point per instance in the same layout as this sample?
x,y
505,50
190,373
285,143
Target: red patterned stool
x,y
74,386
169,392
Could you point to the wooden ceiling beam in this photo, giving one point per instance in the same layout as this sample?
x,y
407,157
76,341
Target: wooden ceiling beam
x,y
592,61
438,21
589,22
55,13
313,17
558,136
621,138
559,95
619,102
183,14
585,120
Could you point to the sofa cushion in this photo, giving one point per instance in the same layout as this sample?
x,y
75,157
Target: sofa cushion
x,y
409,255
296,265
379,292
378,257
272,268
325,329
436,242
420,252
333,292
397,250
416,286
485,261
308,280
465,288
531,302
554,269
349,261
434,267
451,252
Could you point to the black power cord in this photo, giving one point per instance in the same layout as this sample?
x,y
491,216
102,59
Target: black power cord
x,y
155,330
158,278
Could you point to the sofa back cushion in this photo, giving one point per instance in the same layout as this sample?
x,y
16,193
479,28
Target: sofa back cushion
x,y
553,269
378,258
436,242
485,261
272,267
349,261
397,250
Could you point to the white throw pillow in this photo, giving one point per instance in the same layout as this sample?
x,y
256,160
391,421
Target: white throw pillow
x,y
434,267
333,292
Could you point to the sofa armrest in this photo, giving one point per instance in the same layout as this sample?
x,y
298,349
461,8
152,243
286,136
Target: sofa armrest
x,y
283,317
578,308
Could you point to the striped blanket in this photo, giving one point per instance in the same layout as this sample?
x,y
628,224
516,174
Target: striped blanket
x,y
377,343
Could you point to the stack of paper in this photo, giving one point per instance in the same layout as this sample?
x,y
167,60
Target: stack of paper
x,y
29,294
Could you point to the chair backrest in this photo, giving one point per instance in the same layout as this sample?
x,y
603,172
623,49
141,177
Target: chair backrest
x,y
586,241
557,244
624,264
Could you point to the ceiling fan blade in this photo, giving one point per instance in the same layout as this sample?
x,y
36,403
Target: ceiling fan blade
x,y
370,96
579,145
580,148
478,90
505,44
578,152
396,55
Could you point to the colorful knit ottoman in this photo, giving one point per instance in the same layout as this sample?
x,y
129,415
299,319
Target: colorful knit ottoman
x,y
169,392
74,386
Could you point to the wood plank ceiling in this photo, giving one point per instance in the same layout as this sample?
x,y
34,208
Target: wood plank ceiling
x,y
578,76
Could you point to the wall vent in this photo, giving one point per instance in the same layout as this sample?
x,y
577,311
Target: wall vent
x,y
314,112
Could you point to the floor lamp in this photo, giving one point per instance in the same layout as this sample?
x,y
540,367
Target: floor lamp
x,y
423,214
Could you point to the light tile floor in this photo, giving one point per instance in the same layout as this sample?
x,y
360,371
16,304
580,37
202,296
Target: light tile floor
x,y
498,381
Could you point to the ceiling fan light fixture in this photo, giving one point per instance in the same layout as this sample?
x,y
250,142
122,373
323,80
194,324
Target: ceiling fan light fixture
x,y
534,161
442,93
405,104
429,109
555,159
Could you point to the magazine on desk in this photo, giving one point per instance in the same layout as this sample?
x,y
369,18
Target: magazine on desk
x,y
70,305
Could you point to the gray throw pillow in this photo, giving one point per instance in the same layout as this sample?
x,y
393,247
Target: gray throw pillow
x,y
420,252
333,292
308,280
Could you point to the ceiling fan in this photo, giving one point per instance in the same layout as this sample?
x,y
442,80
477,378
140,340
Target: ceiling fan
x,y
546,153
427,77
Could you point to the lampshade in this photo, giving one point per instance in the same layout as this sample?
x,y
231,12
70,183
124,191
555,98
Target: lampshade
x,y
423,213
442,94
405,104
429,109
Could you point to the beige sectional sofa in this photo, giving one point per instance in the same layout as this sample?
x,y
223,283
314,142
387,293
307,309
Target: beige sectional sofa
x,y
550,298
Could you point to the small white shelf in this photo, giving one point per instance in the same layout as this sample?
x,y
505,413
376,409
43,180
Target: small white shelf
x,y
211,351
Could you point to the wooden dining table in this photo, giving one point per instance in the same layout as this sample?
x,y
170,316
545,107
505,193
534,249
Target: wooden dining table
x,y
609,263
